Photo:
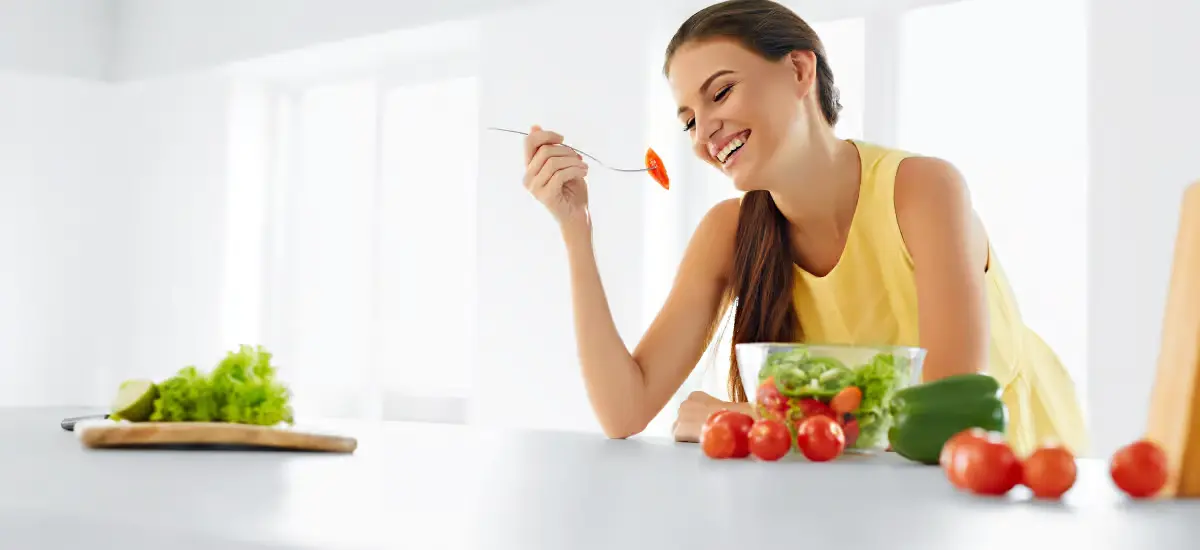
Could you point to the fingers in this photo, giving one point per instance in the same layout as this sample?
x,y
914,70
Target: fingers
x,y
559,179
538,137
545,153
556,172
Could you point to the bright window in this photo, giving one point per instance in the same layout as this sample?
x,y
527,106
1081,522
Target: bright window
x,y
372,240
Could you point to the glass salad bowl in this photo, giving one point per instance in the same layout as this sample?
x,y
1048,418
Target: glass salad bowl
x,y
852,384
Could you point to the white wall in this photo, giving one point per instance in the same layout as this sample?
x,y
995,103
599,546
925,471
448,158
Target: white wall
x,y
1143,116
111,230
165,36
64,240
56,37
172,153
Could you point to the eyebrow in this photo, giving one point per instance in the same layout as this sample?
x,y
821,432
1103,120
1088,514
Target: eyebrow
x,y
704,87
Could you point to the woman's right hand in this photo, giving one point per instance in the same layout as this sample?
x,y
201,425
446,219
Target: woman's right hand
x,y
554,174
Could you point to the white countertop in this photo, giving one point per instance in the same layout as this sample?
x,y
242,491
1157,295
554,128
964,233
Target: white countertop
x,y
431,486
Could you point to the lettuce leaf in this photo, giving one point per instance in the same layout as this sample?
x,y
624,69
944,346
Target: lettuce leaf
x,y
241,389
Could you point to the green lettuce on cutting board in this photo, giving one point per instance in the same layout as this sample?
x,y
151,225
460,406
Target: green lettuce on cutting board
x,y
241,389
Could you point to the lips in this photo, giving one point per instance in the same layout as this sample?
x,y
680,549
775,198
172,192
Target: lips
x,y
728,146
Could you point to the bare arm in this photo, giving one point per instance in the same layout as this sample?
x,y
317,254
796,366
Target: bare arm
x,y
949,250
627,389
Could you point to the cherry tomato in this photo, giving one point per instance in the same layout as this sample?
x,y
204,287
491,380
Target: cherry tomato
x,y
820,438
771,403
987,466
813,407
846,400
770,440
740,423
1139,469
948,460
1049,472
718,441
850,427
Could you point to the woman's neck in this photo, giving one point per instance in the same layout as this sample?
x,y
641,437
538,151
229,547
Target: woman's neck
x,y
817,187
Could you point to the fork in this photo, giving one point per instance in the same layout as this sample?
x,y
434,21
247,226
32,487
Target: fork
x,y
598,161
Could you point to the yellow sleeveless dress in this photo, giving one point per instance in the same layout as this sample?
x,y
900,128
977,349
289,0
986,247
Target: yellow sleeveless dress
x,y
870,298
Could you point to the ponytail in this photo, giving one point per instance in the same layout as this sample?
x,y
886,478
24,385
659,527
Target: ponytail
x,y
761,288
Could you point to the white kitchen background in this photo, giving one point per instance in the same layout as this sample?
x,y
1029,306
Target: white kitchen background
x,y
179,177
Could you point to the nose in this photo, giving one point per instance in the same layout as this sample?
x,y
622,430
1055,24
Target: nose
x,y
706,128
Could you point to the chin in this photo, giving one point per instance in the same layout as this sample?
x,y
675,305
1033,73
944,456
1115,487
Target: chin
x,y
742,184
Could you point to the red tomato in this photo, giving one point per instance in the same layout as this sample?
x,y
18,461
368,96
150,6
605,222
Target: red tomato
x,y
718,441
846,400
813,407
850,427
1049,472
987,466
948,460
1139,469
820,438
740,423
771,402
770,440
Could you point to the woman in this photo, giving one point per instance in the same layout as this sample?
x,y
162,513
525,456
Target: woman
x,y
835,241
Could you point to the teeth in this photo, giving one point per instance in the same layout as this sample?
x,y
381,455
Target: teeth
x,y
732,146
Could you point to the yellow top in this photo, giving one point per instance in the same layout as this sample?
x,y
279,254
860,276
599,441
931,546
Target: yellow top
x,y
870,298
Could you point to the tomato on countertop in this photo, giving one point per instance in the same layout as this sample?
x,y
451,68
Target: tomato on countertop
x,y
770,440
949,456
987,466
739,423
820,438
1139,469
1049,472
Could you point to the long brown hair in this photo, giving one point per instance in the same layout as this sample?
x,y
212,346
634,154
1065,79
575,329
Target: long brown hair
x,y
763,272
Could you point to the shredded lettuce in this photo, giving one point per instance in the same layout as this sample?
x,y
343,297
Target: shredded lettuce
x,y
241,389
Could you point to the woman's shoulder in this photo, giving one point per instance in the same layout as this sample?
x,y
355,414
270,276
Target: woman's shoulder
x,y
715,235
724,213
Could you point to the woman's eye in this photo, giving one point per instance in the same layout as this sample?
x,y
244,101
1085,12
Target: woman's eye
x,y
724,92
687,126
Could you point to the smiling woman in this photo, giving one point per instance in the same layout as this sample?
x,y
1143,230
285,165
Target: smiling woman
x,y
836,241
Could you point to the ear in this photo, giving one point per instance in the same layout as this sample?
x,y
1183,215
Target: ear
x,y
804,66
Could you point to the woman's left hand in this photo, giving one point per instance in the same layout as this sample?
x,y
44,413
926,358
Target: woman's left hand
x,y
695,410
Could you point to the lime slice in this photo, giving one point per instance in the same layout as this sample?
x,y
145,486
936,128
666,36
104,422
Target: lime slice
x,y
135,400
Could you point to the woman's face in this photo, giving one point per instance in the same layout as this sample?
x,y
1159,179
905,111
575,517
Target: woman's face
x,y
737,107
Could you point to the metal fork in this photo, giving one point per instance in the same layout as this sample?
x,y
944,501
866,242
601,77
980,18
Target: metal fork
x,y
598,161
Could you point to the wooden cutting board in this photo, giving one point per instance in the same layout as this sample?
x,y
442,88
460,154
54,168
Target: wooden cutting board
x,y
1174,418
210,435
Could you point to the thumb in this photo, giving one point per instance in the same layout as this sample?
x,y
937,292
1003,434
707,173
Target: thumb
x,y
535,128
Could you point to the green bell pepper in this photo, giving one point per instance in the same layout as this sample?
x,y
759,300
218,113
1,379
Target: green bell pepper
x,y
927,415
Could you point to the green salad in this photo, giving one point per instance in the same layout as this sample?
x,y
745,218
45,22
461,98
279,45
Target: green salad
x,y
242,388
796,384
